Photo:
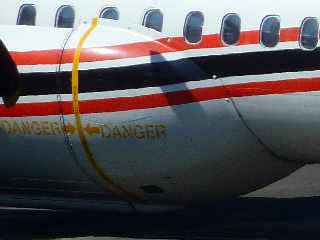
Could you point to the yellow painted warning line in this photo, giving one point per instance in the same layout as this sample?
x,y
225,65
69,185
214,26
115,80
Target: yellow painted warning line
x,y
111,185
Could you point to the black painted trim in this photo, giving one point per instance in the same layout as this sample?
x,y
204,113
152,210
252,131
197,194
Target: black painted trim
x,y
173,72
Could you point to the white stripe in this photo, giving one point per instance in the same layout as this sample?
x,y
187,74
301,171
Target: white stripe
x,y
46,68
122,93
38,99
171,56
270,77
148,91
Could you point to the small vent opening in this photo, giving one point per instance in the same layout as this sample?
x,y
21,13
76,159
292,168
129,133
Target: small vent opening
x,y
9,77
152,189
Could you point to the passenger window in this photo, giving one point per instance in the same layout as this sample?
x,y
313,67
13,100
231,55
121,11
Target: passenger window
x,y
193,27
270,31
110,13
153,19
27,15
65,17
231,28
309,35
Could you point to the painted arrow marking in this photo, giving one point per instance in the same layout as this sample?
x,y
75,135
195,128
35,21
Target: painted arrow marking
x,y
69,128
90,130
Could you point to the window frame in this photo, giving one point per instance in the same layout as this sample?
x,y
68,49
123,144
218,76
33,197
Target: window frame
x,y
58,14
300,34
261,26
222,30
145,17
20,11
108,8
185,27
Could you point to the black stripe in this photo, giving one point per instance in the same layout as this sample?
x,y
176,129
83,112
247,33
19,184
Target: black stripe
x,y
131,77
258,63
180,71
38,83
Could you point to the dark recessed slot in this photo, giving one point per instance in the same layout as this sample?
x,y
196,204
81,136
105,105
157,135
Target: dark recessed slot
x,y
152,189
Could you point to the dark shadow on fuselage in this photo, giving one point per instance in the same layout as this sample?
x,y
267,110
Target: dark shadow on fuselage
x,y
168,73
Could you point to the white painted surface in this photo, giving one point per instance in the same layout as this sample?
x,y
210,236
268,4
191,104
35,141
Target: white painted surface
x,y
207,152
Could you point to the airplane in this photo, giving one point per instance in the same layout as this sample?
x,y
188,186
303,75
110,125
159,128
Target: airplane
x,y
153,106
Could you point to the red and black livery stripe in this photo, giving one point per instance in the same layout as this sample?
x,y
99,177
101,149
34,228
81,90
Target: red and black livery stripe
x,y
157,74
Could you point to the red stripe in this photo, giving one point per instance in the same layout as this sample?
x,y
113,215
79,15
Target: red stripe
x,y
165,99
36,57
274,87
33,109
134,50
289,35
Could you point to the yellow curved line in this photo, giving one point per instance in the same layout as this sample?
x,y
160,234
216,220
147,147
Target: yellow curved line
x,y
112,186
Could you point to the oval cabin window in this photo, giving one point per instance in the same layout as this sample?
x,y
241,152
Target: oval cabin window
x,y
309,36
193,27
65,17
231,28
153,19
270,31
110,13
27,15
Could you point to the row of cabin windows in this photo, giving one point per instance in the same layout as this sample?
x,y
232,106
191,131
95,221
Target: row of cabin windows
x,y
230,30
269,31
64,18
